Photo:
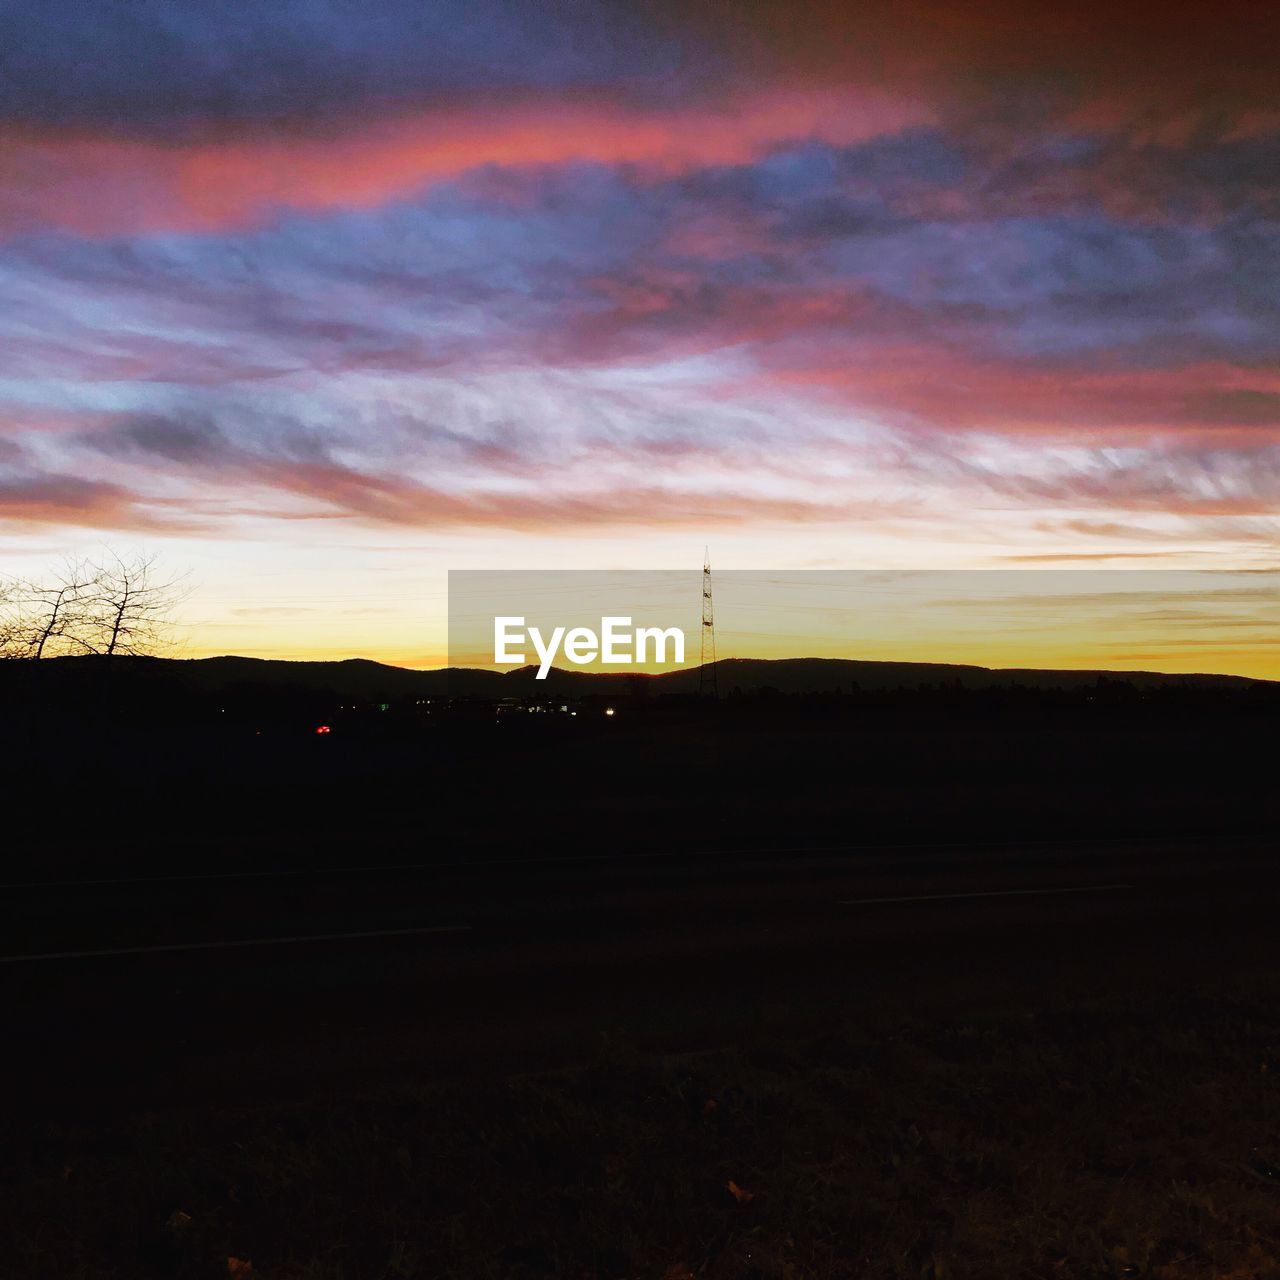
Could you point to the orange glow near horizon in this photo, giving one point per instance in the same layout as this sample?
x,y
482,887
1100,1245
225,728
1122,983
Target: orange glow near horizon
x,y
1074,620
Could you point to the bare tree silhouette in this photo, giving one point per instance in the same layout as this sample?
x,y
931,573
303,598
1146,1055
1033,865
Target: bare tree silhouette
x,y
51,612
113,606
131,607
11,633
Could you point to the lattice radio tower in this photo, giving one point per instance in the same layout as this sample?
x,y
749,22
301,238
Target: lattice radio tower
x,y
707,666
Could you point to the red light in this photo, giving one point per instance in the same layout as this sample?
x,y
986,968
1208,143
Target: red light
x,y
322,728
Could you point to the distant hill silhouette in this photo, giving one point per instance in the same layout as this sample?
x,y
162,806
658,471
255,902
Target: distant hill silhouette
x,y
828,675
363,680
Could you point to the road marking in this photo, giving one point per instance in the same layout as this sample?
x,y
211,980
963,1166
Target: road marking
x,y
990,893
236,942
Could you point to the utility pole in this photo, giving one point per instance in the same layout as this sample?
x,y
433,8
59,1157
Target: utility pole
x,y
707,666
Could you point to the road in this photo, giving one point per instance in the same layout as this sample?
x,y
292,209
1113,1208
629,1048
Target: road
x,y
161,991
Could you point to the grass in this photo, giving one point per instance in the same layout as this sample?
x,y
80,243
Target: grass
x,y
1113,1140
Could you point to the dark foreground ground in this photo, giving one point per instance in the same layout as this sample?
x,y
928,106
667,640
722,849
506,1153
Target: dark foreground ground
x,y
925,989
1126,1138
1053,1060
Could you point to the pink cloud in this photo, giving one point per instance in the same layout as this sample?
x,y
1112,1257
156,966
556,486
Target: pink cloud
x,y
101,185
944,388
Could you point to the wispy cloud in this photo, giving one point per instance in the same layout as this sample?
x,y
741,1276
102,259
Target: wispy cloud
x,y
525,267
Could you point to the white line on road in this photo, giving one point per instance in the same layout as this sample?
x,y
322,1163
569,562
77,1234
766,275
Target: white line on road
x,y
236,942
990,893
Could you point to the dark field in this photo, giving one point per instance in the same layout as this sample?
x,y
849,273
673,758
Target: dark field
x,y
105,782
1105,1139
952,985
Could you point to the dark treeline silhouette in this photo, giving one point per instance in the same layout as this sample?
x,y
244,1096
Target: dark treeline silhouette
x,y
185,687
180,764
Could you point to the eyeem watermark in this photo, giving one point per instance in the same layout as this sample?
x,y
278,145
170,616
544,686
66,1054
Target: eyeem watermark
x,y
617,643
622,622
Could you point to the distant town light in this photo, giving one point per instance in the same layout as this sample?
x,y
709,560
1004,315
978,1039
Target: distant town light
x,y
608,711
322,728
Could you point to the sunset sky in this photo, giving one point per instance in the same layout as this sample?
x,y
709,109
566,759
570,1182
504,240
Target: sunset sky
x,y
321,300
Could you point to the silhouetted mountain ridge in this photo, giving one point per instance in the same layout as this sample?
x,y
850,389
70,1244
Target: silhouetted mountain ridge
x,y
362,679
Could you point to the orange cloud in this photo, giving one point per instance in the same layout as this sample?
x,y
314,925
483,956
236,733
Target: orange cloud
x,y
30,502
